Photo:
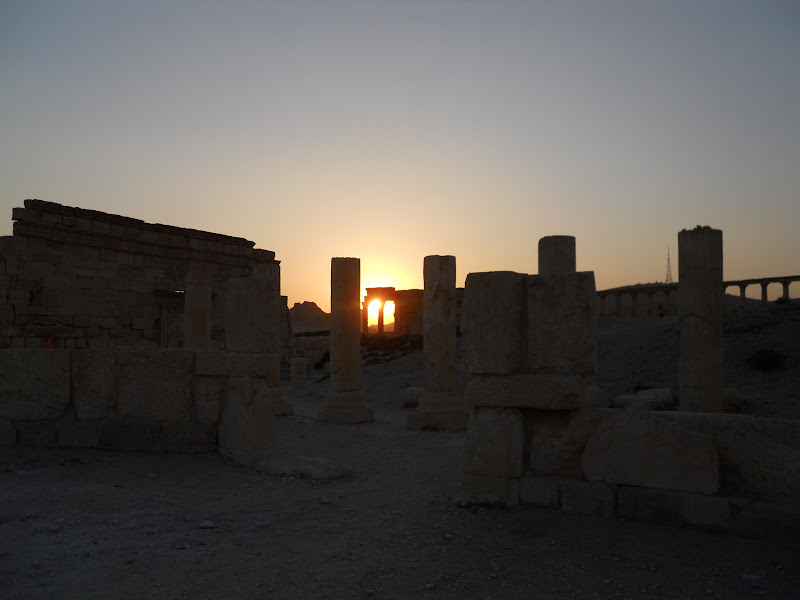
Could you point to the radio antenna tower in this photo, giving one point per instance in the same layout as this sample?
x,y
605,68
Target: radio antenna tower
x,y
669,269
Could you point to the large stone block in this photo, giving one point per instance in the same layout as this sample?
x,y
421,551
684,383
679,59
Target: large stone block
x,y
527,391
769,520
482,489
94,392
667,506
37,433
758,457
657,399
493,322
34,384
495,443
245,431
155,386
539,491
188,437
132,435
636,447
8,433
562,324
558,438
73,433
587,497
209,393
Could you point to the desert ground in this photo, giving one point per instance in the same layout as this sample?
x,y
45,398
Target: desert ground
x,y
374,510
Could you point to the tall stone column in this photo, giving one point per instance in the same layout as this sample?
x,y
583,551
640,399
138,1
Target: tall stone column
x,y
556,254
380,316
700,303
197,309
439,407
345,402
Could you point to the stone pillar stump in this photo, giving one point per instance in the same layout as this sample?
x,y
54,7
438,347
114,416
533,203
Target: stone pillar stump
x,y
345,402
556,254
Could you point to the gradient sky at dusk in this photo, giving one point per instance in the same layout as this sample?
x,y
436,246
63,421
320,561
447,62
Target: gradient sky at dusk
x,y
393,130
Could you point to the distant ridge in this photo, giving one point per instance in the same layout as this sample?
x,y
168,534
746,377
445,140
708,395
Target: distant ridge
x,y
307,316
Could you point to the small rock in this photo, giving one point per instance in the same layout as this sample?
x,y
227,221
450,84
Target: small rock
x,y
207,525
325,500
430,586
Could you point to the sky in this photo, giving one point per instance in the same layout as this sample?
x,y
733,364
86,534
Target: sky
x,y
389,131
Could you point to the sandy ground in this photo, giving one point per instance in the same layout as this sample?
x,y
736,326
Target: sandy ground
x,y
99,524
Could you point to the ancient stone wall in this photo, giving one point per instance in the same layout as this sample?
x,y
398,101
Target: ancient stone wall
x,y
149,400
83,279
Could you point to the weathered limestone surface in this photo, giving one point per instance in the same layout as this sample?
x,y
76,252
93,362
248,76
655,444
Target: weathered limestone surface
x,y
636,447
119,433
155,386
94,387
587,497
209,394
482,489
539,491
188,437
34,384
562,324
758,457
439,334
667,506
8,433
299,366
345,403
197,309
557,438
657,399
700,306
527,391
73,433
493,322
494,443
245,431
556,254
439,406
766,520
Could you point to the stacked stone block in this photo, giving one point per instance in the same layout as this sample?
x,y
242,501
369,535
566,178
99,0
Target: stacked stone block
x,y
76,278
530,341
163,400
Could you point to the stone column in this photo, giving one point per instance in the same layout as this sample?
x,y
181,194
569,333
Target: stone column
x,y
556,254
345,403
439,407
634,303
380,316
785,289
197,309
742,296
365,316
764,285
700,302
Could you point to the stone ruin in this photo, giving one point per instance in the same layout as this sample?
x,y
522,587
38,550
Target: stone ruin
x,y
122,334
539,436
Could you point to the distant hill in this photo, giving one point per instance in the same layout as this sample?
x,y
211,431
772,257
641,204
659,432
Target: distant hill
x,y
307,316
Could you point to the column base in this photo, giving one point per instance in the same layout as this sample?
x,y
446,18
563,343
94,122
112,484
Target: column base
x,y
346,407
